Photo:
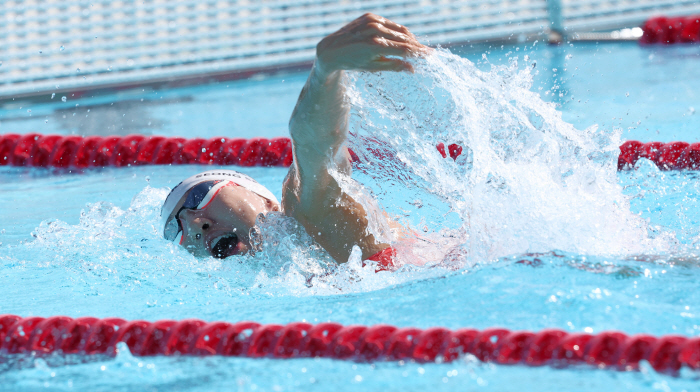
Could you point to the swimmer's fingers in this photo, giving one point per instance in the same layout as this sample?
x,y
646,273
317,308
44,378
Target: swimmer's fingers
x,y
364,44
378,30
400,49
391,64
393,25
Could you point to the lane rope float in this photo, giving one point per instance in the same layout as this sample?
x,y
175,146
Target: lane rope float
x,y
79,152
553,347
98,151
675,30
667,156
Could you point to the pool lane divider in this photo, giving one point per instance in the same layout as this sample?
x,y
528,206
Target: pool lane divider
x,y
98,151
92,336
77,152
671,30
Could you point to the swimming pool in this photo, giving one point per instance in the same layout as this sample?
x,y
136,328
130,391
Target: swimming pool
x,y
87,244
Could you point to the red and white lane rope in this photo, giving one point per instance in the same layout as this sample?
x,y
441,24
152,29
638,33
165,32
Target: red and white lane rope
x,y
92,336
664,30
667,156
98,151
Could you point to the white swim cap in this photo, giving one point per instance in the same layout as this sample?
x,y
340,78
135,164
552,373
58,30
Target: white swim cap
x,y
182,188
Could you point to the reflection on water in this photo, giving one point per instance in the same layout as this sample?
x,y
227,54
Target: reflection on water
x,y
111,118
121,117
246,108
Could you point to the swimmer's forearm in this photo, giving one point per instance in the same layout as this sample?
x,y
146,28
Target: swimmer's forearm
x,y
319,123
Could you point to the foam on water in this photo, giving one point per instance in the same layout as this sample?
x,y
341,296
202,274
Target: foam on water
x,y
526,181
113,250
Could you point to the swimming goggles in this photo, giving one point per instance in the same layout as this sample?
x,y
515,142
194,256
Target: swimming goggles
x,y
198,198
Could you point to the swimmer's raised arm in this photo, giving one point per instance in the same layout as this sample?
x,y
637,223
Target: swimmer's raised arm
x,y
319,128
369,43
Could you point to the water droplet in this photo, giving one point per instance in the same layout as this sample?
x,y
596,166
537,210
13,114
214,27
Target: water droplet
x,y
569,56
77,70
40,52
62,48
53,95
109,68
64,99
627,94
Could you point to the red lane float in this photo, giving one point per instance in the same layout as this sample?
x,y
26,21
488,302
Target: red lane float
x,y
92,336
663,30
667,156
98,151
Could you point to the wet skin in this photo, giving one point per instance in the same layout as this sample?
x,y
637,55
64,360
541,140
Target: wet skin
x,y
318,129
233,210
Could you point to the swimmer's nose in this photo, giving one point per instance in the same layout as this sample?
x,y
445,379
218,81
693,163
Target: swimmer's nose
x,y
194,224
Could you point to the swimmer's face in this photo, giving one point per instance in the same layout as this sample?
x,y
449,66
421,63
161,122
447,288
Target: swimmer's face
x,y
222,228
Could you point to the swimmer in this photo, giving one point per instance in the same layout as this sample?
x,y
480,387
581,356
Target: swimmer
x,y
212,213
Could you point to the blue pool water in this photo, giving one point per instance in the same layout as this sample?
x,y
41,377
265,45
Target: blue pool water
x,y
87,243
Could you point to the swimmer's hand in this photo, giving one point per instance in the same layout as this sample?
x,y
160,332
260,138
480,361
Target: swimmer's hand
x,y
369,43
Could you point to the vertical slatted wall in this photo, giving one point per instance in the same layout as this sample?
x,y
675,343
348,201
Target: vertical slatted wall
x,y
61,45
81,44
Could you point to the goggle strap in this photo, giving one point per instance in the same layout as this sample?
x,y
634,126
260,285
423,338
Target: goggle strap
x,y
212,193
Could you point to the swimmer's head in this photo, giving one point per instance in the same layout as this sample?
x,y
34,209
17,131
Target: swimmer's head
x,y
211,213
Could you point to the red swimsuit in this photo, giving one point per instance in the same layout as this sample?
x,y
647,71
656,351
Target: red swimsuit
x,y
384,259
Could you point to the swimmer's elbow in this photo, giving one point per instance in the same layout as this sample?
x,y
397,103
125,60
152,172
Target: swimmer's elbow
x,y
316,140
301,135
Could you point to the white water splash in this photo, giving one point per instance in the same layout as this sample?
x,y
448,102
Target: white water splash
x,y
112,251
526,181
